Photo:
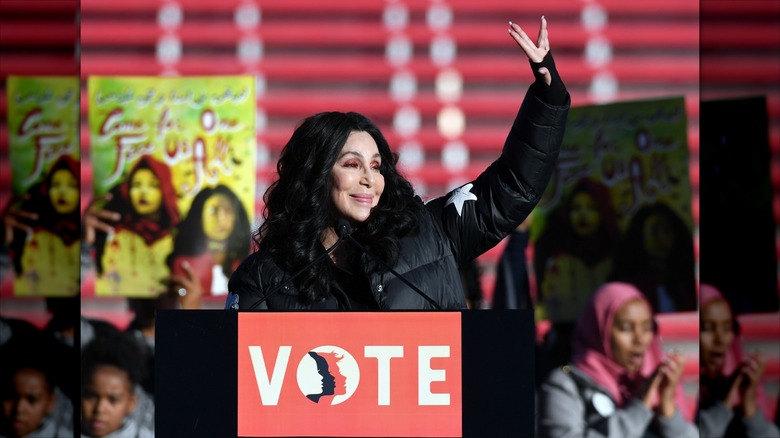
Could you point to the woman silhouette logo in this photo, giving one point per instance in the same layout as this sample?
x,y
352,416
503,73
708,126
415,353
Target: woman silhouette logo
x,y
328,371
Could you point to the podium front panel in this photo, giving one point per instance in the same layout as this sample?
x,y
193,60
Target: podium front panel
x,y
411,373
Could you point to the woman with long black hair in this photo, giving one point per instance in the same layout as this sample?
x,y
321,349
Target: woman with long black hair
x,y
343,229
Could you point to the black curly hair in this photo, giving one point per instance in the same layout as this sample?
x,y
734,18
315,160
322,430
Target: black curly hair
x,y
115,349
190,239
298,207
634,264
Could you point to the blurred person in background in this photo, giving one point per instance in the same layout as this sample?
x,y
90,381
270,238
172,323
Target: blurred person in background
x,y
102,330
619,383
111,373
211,241
131,230
42,230
513,289
11,328
656,255
471,276
732,402
33,406
142,327
572,258
61,332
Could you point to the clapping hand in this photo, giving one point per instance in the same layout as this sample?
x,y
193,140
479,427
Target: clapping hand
x,y
671,370
663,384
745,384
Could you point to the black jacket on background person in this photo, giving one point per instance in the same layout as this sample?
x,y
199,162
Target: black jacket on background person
x,y
456,227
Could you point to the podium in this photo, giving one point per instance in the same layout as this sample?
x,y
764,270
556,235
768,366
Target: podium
x,y
226,373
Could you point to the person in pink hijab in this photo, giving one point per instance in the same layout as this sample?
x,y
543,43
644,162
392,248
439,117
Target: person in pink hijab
x,y
618,384
731,398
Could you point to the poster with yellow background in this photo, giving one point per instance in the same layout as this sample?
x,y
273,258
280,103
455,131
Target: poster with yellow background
x,y
162,148
44,150
617,208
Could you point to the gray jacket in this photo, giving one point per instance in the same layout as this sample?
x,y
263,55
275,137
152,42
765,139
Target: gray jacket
x,y
571,404
129,429
717,421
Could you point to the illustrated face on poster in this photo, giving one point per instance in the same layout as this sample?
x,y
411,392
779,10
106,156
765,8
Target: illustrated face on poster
x,y
43,128
658,236
64,191
219,217
618,207
145,192
159,147
585,216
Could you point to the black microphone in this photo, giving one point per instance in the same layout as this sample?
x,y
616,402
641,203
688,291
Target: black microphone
x,y
342,226
346,233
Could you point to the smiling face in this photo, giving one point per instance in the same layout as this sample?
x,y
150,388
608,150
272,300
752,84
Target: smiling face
x,y
357,181
584,214
145,192
28,403
64,191
632,331
107,398
716,334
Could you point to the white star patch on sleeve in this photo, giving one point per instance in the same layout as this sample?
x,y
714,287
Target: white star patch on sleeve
x,y
460,196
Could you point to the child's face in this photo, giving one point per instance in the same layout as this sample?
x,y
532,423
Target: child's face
x,y
31,400
219,217
64,191
105,401
145,192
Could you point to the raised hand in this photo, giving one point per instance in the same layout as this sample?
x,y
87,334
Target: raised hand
x,y
535,51
96,218
16,219
185,287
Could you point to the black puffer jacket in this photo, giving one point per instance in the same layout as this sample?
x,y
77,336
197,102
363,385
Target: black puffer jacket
x,y
457,227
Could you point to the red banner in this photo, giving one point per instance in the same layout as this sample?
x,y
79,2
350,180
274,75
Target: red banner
x,y
349,374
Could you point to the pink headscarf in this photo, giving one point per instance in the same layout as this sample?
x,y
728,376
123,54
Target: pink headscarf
x,y
735,354
592,346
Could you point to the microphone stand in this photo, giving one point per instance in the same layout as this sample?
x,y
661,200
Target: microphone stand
x,y
399,276
298,272
343,230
